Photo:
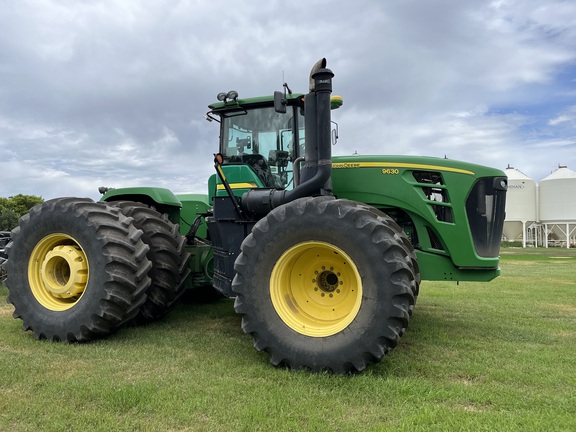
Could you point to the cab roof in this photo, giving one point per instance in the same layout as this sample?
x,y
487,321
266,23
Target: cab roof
x,y
255,101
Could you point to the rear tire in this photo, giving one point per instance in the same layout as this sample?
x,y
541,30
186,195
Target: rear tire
x,y
324,284
77,270
167,254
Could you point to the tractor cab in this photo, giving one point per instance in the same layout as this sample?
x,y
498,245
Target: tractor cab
x,y
254,134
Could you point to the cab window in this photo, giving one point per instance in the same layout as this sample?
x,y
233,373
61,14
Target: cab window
x,y
265,140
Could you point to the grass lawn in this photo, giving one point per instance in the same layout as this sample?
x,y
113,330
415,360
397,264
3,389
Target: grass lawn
x,y
498,356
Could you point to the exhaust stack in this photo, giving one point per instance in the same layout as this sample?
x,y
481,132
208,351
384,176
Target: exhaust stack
x,y
317,170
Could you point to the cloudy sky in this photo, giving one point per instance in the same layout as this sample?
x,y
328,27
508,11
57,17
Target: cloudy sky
x,y
113,93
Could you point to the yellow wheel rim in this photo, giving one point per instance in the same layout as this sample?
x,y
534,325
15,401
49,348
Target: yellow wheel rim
x,y
316,289
58,272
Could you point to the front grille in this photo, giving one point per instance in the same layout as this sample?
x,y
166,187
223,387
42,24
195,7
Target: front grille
x,y
485,210
435,192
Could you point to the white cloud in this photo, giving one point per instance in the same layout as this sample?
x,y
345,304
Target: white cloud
x,y
566,119
113,93
560,119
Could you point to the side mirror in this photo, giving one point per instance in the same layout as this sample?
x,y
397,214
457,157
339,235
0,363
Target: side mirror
x,y
335,133
279,102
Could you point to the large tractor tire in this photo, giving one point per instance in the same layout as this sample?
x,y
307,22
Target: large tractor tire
x,y
167,254
413,258
77,270
324,284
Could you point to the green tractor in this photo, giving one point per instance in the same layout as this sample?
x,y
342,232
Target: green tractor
x,y
323,255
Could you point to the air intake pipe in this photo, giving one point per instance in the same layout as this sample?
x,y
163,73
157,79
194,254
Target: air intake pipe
x,y
317,168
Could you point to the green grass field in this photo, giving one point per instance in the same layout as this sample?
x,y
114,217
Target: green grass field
x,y
497,356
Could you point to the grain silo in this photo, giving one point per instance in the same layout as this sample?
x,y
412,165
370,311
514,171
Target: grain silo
x,y
521,207
558,207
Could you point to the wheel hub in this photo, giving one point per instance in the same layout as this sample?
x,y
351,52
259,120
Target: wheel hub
x,y
327,280
65,271
58,272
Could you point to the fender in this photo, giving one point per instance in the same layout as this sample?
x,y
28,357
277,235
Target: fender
x,y
162,199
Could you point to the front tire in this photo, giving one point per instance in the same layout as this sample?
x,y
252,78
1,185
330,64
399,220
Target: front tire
x,y
77,270
413,258
324,284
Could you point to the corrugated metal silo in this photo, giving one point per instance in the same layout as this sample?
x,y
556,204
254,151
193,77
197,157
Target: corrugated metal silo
x,y
521,205
558,206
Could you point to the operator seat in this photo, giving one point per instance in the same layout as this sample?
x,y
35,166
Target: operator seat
x,y
260,166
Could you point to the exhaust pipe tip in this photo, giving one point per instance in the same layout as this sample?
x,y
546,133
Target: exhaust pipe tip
x,y
320,64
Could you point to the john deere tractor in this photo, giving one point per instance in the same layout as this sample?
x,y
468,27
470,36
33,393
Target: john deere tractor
x,y
323,255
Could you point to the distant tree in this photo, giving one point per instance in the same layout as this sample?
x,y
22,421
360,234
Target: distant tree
x,y
13,207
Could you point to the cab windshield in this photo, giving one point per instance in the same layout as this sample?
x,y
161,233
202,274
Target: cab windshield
x,y
267,141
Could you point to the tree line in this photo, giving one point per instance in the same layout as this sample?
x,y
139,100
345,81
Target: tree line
x,y
13,207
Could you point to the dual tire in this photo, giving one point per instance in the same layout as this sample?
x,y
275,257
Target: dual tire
x,y
167,254
79,270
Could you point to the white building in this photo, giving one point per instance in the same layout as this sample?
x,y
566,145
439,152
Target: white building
x,y
557,209
521,206
543,214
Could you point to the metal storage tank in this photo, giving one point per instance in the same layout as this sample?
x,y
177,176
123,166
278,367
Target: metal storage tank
x,y
558,207
521,205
